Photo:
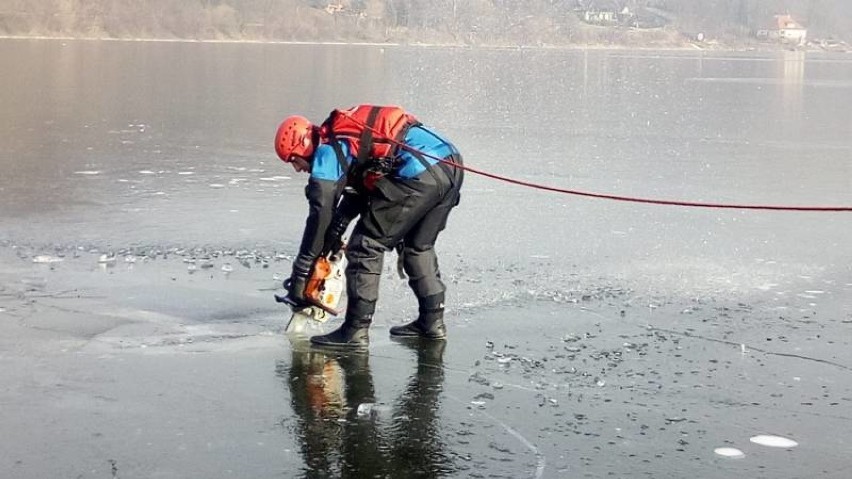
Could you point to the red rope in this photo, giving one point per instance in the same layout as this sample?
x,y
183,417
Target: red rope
x,y
694,204
640,200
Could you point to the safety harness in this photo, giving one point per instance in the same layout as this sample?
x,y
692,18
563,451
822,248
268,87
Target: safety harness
x,y
374,133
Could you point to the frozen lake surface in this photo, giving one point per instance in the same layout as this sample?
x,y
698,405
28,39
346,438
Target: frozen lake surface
x,y
146,223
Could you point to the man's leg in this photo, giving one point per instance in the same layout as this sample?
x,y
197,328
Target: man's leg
x,y
424,277
381,227
363,272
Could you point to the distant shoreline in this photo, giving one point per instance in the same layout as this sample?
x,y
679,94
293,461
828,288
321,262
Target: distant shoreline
x,y
688,46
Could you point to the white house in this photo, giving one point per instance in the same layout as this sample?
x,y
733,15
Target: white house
x,y
786,30
790,31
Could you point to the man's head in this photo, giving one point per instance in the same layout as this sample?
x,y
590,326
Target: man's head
x,y
294,142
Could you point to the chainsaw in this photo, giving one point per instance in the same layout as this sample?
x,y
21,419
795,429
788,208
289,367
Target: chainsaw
x,y
323,291
327,281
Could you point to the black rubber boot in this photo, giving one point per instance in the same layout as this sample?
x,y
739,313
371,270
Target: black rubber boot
x,y
429,323
353,333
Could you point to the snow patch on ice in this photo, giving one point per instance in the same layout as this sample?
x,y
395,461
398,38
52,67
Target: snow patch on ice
x,y
773,441
729,452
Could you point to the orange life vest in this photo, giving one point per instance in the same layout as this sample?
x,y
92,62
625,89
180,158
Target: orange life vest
x,y
374,132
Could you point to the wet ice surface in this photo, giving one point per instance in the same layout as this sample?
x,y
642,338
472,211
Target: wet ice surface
x,y
143,360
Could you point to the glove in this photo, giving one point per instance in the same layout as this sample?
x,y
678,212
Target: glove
x,y
295,286
335,248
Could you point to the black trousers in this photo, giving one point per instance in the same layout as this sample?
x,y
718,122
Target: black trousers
x,y
412,212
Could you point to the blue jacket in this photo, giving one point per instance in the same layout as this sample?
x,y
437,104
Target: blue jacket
x,y
326,166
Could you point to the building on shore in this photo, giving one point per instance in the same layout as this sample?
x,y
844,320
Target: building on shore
x,y
785,30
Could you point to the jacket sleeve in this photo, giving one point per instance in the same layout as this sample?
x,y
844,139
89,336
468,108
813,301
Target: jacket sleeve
x,y
325,186
348,208
322,198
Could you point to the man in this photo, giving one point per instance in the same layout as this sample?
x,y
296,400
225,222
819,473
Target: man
x,y
378,162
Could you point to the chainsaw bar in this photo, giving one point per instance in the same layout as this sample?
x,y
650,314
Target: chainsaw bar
x,y
306,320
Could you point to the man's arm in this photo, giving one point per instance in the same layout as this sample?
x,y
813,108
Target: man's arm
x,y
322,198
323,192
348,208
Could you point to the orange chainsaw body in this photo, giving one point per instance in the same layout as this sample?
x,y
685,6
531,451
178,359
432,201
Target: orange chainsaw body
x,y
327,282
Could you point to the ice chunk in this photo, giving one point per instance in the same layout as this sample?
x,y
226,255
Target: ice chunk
x,y
44,258
774,441
365,409
728,452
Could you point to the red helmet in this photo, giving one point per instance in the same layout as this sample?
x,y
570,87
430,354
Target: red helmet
x,y
294,138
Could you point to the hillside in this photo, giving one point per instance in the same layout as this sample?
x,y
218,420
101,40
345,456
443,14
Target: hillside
x,y
458,22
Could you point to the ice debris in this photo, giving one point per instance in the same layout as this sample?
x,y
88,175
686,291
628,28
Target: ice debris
x,y
773,441
729,452
365,409
46,259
